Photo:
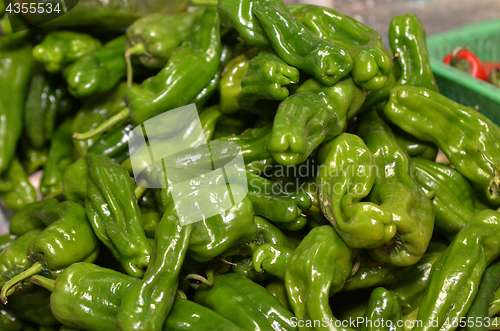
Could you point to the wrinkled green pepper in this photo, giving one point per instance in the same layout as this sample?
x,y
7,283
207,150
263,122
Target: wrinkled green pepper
x,y
113,211
264,84
314,114
15,70
60,48
272,259
99,71
471,143
397,191
59,158
113,144
251,307
16,190
317,269
153,38
371,65
415,147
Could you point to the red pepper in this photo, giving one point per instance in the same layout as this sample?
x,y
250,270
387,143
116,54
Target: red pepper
x,y
463,59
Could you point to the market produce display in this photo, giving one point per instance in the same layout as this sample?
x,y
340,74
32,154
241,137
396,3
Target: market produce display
x,y
346,221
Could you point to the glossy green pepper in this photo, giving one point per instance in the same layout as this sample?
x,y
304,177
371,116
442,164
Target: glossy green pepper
x,y
314,114
60,48
346,177
251,307
407,38
434,112
9,321
265,83
415,147
269,233
59,158
153,38
277,288
16,191
67,240
456,275
147,303
113,144
244,266
99,71
46,101
33,306
150,221
317,269
453,199
230,84
32,216
15,70
300,47
188,71
371,65
113,211
383,311
272,259
75,180
398,192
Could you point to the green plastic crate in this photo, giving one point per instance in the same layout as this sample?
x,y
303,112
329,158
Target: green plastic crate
x,y
484,40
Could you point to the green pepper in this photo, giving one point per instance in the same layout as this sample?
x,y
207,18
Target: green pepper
x,y
9,38
113,144
271,234
371,65
230,84
33,306
188,71
317,269
60,48
75,180
495,304
33,216
6,240
415,147
314,214
407,38
244,266
398,192
18,190
113,211
480,308
147,303
314,114
150,221
277,288
33,158
264,84
345,178
9,321
153,38
15,71
99,71
453,199
69,239
455,277
232,125
434,112
272,259
58,160
383,311
300,47
244,303
47,99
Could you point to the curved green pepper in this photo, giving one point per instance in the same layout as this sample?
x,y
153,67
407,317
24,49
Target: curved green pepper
x,y
407,38
453,199
471,143
271,234
115,215
317,269
230,84
314,114
60,48
150,221
345,178
244,266
188,71
264,83
32,216
15,71
153,38
371,65
277,288
251,307
397,190
272,259
383,311
58,160
456,275
98,71
113,144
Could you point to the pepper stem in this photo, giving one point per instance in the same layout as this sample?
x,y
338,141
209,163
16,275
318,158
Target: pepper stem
x,y
139,192
181,294
106,125
46,283
33,270
209,281
205,2
54,194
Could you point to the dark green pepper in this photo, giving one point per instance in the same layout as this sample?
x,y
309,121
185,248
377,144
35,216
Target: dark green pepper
x,y
277,288
113,144
115,215
9,321
99,71
251,307
244,266
17,191
58,160
397,191
33,216
264,84
33,158
153,38
371,65
434,112
15,71
150,221
383,311
60,48
415,147
314,114
233,125
33,306
272,259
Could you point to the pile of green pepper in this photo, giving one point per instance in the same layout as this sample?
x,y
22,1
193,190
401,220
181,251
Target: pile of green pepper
x,y
345,215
